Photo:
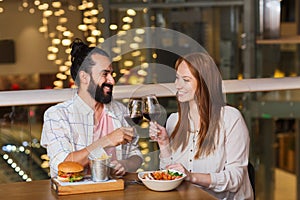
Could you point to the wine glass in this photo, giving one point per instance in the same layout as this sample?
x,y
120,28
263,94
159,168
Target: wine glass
x,y
134,115
152,110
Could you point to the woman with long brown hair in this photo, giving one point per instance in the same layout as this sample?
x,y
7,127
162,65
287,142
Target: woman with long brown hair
x,y
206,139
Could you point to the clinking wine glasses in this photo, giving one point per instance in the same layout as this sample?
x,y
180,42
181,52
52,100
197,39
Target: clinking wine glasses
x,y
146,107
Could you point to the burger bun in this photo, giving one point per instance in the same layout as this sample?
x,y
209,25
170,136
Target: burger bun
x,y
70,167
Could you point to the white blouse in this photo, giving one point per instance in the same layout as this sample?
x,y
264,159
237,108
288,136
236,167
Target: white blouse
x,y
227,165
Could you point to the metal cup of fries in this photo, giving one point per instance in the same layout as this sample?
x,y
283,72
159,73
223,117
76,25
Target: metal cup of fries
x,y
100,168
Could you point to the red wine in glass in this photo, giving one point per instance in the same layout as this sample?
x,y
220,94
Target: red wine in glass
x,y
135,112
152,108
134,120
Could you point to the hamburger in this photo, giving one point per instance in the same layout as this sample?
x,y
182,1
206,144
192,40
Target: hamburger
x,y
69,171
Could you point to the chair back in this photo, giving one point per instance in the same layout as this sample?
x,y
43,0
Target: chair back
x,y
251,173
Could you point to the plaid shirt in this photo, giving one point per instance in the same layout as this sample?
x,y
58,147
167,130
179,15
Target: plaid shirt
x,y
69,126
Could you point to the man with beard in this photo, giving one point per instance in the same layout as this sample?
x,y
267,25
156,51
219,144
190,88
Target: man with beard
x,y
90,124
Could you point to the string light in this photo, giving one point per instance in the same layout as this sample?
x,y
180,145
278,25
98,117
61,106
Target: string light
x,y
10,160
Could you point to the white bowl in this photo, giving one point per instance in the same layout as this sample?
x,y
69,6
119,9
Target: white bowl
x,y
160,185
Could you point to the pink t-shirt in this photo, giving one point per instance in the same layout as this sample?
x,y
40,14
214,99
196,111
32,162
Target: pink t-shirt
x,y
104,127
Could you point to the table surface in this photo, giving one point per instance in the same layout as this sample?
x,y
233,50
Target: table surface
x,y
41,189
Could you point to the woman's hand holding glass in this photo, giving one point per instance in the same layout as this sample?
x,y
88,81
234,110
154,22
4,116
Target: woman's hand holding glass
x,y
158,133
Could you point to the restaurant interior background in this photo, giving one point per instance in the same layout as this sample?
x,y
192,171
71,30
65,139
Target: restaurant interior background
x,y
247,39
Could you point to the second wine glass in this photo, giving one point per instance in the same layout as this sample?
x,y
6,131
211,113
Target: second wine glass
x,y
151,108
133,116
135,112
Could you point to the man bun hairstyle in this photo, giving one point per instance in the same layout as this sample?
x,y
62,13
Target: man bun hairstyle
x,y
81,57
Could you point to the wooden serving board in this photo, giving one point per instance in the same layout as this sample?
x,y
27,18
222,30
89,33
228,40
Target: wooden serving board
x,y
86,186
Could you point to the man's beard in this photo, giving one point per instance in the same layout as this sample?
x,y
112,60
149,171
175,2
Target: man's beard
x,y
98,94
